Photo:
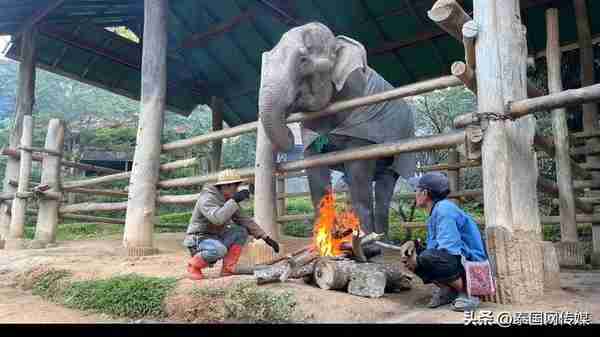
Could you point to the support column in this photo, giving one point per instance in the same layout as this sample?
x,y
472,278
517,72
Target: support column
x,y
217,108
509,165
141,204
566,197
453,174
24,106
281,202
16,237
47,220
590,111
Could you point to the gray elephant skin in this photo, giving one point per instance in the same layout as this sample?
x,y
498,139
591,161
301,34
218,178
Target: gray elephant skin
x,y
311,68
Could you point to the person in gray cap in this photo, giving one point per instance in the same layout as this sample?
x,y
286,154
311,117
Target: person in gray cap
x,y
452,235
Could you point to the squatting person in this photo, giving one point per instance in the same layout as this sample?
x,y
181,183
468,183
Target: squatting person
x,y
217,230
452,235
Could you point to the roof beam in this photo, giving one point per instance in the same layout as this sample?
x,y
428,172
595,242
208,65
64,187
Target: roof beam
x,y
393,46
197,40
38,16
280,14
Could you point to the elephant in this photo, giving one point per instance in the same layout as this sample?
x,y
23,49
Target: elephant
x,y
311,68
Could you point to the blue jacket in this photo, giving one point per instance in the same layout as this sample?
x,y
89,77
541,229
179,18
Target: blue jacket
x,y
450,228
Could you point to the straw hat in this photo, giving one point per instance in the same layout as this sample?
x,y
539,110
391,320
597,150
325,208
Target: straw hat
x,y
229,177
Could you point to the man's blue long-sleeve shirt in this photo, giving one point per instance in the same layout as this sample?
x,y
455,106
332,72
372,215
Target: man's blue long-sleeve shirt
x,y
450,228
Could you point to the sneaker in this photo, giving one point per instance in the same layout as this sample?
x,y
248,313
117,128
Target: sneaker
x,y
441,296
465,303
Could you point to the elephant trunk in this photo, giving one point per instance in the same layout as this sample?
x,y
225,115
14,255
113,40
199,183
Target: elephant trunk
x,y
275,98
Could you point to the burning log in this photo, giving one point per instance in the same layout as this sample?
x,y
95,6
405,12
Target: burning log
x,y
331,274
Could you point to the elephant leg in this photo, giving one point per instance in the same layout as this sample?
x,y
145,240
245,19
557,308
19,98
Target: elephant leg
x,y
319,181
361,173
384,190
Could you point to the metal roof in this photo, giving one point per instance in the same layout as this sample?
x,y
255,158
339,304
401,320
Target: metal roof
x,y
215,46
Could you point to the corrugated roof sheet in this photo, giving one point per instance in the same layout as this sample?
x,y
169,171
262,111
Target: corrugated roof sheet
x,y
215,46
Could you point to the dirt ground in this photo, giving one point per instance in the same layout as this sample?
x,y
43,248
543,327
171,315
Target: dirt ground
x,y
580,290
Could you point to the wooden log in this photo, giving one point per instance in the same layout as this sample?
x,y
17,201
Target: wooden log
x,y
184,199
450,16
401,92
331,274
377,151
469,33
448,166
111,193
273,274
47,220
466,75
551,187
24,106
217,107
92,219
509,167
93,207
12,152
183,163
96,181
40,150
547,145
560,132
453,175
585,134
200,180
19,205
281,202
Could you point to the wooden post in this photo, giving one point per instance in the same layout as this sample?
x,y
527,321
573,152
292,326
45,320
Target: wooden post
x,y
509,165
453,174
47,220
24,106
19,206
568,225
141,204
590,111
217,107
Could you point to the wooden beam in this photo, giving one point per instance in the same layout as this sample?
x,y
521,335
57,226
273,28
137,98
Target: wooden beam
x,y
198,40
38,17
568,224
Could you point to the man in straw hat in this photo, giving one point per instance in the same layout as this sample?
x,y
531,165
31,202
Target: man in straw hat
x,y
217,230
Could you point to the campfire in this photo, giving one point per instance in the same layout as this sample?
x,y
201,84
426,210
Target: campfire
x,y
336,260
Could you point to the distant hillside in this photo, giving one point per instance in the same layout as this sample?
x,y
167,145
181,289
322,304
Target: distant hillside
x,y
8,71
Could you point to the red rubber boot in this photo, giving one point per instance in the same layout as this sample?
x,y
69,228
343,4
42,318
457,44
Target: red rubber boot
x,y
195,266
231,259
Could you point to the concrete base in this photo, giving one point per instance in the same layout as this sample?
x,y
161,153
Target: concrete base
x,y
15,244
551,267
517,260
570,254
257,252
141,251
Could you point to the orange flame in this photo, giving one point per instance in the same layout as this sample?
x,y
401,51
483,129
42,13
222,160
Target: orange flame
x,y
331,225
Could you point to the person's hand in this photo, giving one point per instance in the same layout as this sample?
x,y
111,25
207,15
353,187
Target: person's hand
x,y
241,195
272,243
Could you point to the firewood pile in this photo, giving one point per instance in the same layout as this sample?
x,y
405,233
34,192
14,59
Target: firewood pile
x,y
354,271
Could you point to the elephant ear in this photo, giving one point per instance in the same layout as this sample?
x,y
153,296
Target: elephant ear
x,y
351,55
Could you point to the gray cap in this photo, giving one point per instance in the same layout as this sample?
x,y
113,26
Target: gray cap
x,y
435,182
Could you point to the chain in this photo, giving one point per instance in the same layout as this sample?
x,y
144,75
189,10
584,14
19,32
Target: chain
x,y
494,116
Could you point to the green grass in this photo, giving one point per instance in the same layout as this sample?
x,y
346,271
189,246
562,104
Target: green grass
x,y
48,283
131,295
247,303
80,231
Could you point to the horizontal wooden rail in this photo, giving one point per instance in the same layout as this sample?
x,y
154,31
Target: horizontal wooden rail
x,y
93,207
546,144
37,157
527,106
92,219
112,193
585,134
446,167
401,92
551,187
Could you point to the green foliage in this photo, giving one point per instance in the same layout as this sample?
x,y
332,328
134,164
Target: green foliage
x,y
116,139
301,229
246,302
182,219
129,295
48,284
299,205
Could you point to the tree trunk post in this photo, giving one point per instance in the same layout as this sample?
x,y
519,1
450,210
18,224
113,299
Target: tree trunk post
x,y
217,108
47,220
568,225
509,165
453,174
19,205
590,111
24,106
141,206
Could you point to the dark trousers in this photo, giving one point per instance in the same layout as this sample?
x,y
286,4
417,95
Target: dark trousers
x,y
439,266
